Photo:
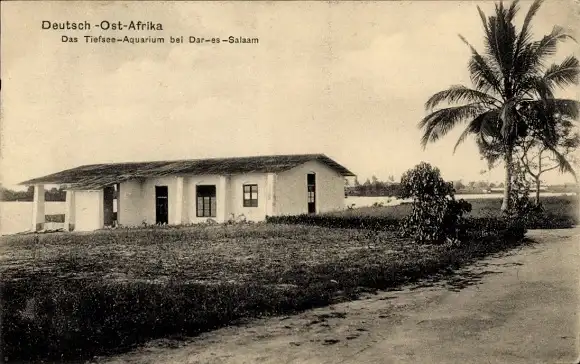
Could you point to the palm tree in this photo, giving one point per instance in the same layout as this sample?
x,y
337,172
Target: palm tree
x,y
509,78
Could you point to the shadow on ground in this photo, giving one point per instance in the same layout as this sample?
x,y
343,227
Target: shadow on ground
x,y
457,279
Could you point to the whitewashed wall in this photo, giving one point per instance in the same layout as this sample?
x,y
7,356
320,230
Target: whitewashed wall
x,y
148,199
190,203
88,210
281,194
291,189
237,196
137,200
129,203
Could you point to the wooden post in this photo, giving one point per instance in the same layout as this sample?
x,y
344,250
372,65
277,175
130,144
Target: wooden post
x,y
38,217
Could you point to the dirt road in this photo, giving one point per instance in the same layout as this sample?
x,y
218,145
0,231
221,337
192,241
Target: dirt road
x,y
516,308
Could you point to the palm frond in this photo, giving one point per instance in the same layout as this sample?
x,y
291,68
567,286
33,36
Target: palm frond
x,y
490,151
492,159
525,35
477,126
483,20
491,126
501,40
459,93
525,63
512,11
563,74
482,74
547,45
440,122
531,57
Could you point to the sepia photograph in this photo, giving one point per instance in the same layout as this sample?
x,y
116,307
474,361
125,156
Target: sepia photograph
x,y
321,182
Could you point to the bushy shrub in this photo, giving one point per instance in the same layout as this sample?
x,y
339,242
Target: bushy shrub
x,y
466,227
435,215
538,217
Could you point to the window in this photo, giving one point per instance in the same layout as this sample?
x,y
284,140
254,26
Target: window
x,y
206,201
250,195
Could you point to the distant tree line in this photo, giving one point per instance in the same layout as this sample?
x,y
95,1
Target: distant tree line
x,y
54,194
483,186
374,187
475,186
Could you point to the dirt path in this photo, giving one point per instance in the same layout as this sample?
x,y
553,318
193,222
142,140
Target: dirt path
x,y
517,308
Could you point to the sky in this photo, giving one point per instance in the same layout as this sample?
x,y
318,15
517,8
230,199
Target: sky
x,y
349,80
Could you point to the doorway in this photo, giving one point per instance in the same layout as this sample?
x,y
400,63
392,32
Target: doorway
x,y
109,206
311,188
161,205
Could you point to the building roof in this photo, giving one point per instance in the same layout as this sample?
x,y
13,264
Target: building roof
x,y
96,176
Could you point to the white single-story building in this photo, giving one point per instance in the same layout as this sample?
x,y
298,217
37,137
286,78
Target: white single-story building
x,y
193,191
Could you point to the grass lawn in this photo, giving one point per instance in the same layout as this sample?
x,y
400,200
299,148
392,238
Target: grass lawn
x,y
76,295
241,253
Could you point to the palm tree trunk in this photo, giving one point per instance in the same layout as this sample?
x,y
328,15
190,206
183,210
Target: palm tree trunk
x,y
505,205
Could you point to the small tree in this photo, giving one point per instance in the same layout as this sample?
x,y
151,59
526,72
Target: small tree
x,y
537,158
435,215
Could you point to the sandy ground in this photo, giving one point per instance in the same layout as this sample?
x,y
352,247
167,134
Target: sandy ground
x,y
517,308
